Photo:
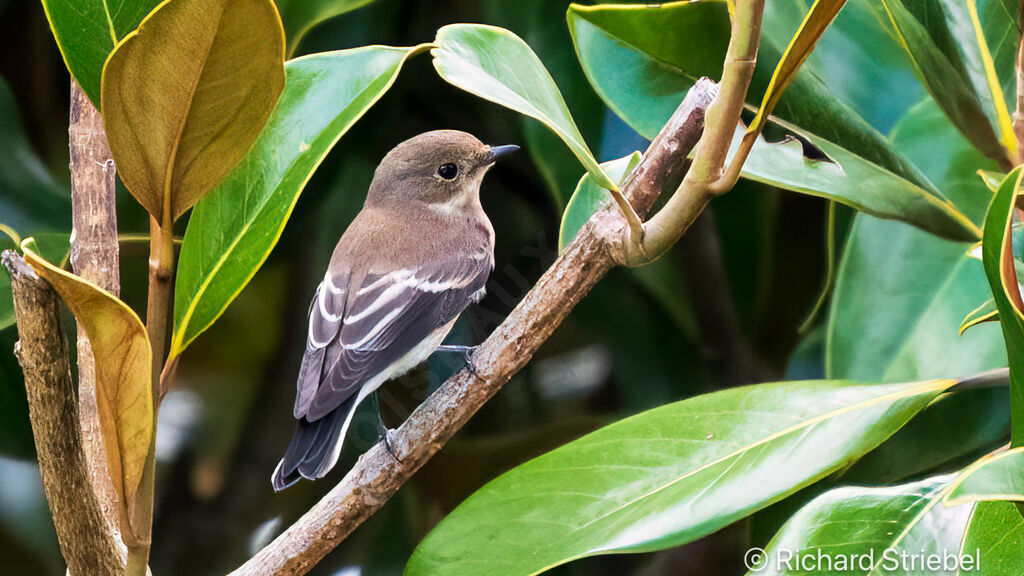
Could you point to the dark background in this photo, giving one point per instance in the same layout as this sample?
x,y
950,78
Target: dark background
x,y
722,309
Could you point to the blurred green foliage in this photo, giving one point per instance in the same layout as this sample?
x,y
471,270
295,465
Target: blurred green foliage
x,y
723,308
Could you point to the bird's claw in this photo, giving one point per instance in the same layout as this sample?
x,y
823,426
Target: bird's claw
x,y
386,435
467,354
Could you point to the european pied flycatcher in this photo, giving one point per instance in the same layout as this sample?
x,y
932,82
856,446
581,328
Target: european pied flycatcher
x,y
416,255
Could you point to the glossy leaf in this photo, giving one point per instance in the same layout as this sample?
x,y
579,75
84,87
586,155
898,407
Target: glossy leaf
x,y
922,29
850,180
232,231
589,197
642,59
878,523
856,56
123,363
954,429
901,294
992,84
817,20
996,535
300,16
991,179
997,254
87,30
182,109
986,312
495,64
997,476
667,476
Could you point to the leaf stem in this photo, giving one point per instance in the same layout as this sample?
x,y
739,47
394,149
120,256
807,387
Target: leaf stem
x,y
701,183
161,265
158,310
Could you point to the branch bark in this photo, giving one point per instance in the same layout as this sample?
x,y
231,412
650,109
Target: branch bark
x,y
596,249
88,546
94,256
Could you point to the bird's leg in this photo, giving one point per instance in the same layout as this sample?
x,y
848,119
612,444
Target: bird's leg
x,y
467,353
383,431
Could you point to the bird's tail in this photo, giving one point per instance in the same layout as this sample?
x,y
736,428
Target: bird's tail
x,y
314,448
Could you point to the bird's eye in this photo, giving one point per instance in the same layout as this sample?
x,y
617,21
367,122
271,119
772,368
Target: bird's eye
x,y
448,171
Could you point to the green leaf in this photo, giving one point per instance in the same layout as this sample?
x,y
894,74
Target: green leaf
x,y
953,429
123,385
667,476
642,59
987,312
990,65
850,180
996,533
997,255
922,29
855,57
995,477
181,110
31,200
880,524
497,65
900,293
86,32
589,197
991,179
232,231
300,16
54,247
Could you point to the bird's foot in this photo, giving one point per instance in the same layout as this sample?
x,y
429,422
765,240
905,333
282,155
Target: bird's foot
x,y
467,354
386,434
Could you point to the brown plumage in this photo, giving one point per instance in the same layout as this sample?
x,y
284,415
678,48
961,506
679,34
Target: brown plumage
x,y
414,257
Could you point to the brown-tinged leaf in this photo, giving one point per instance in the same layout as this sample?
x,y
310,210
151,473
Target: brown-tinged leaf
x,y
186,94
123,387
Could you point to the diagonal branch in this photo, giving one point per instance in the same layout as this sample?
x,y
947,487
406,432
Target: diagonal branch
x,y
88,546
596,249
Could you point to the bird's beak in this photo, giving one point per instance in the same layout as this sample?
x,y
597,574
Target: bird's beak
x,y
499,151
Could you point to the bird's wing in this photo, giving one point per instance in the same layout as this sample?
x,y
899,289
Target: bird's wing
x,y
357,332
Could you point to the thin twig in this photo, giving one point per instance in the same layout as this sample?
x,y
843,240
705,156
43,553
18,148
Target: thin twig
x,y
705,179
595,250
86,541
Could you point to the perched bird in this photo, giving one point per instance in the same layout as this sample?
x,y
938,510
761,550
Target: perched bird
x,y
417,254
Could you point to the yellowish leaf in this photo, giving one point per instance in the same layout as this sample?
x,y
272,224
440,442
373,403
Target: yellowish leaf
x,y
817,20
186,94
123,363
1007,135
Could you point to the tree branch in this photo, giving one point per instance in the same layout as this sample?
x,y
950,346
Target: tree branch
x,y
595,250
87,544
94,256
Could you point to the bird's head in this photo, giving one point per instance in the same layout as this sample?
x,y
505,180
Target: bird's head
x,y
438,167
